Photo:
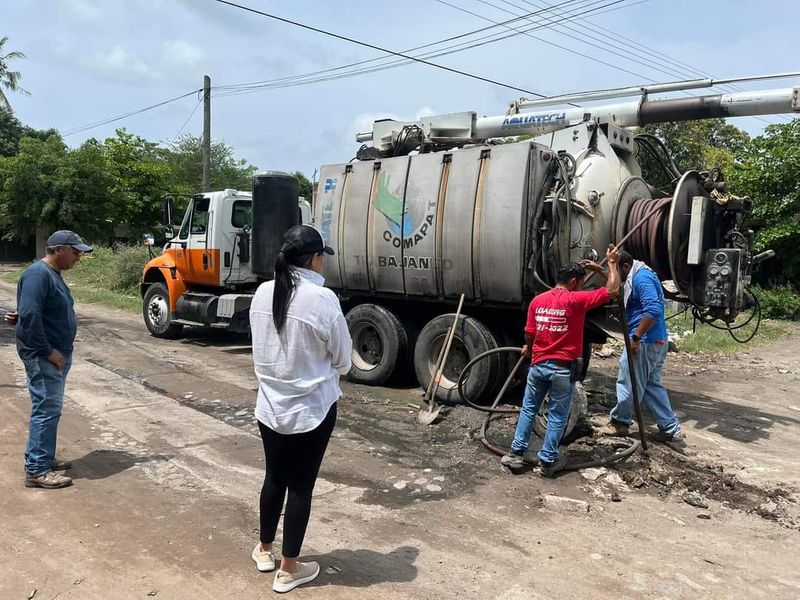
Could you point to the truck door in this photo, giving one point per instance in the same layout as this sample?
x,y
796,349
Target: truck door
x,y
198,261
234,233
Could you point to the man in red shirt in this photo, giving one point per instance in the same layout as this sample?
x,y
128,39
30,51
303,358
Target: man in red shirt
x,y
554,337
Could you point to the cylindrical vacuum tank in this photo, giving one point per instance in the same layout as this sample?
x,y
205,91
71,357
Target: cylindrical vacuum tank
x,y
275,210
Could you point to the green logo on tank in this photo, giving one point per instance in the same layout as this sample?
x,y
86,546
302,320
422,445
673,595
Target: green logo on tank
x,y
391,207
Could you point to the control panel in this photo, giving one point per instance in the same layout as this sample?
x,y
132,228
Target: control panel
x,y
726,274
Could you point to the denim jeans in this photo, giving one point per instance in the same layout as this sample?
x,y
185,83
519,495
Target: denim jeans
x,y
46,386
545,377
647,364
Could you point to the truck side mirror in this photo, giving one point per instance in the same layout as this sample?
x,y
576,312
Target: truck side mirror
x,y
168,223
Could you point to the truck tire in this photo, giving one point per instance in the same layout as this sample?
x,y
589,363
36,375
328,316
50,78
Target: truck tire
x,y
577,412
471,338
155,310
379,343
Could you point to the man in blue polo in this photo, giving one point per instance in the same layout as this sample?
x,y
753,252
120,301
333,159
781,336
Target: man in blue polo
x,y
45,332
647,328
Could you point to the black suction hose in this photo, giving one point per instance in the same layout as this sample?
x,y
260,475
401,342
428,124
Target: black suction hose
x,y
495,410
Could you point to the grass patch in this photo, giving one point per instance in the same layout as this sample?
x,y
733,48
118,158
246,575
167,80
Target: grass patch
x,y
86,295
12,276
707,340
109,277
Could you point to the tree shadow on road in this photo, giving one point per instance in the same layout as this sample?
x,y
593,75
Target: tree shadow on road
x,y
736,422
99,464
364,568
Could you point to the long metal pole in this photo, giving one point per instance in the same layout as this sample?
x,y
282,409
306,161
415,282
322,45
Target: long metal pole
x,y
632,371
638,90
206,133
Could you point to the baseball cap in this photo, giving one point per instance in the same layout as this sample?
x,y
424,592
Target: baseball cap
x,y
64,237
304,239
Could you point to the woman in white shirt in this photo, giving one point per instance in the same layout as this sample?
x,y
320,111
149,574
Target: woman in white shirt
x,y
301,345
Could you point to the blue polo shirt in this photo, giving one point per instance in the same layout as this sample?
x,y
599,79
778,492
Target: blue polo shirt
x,y
46,313
647,299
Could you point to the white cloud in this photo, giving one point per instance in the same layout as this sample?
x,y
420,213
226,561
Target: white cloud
x,y
176,60
83,10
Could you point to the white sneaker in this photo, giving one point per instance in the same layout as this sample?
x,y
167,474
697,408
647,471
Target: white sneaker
x,y
265,561
286,582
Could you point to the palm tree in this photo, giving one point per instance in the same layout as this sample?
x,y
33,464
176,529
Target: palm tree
x,y
9,79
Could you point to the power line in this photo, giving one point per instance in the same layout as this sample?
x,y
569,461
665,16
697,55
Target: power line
x,y
683,68
414,49
489,39
381,49
303,79
82,128
186,122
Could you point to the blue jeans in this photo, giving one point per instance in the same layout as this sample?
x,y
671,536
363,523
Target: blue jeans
x,y
647,364
46,386
545,377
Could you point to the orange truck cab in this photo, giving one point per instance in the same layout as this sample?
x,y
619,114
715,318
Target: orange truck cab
x,y
224,248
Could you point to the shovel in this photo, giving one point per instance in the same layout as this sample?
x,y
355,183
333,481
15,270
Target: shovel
x,y
427,417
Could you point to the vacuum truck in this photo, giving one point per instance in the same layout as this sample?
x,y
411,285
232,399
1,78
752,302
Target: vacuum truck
x,y
433,209
438,208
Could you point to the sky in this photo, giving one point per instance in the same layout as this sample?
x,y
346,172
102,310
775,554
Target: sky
x,y
88,60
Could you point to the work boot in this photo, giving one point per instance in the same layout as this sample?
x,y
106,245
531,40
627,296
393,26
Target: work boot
x,y
677,438
549,469
513,461
286,582
265,560
615,428
49,481
61,465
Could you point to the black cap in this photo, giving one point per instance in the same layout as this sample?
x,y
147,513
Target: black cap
x,y
65,237
304,239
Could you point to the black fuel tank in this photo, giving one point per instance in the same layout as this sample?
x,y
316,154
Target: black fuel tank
x,y
275,210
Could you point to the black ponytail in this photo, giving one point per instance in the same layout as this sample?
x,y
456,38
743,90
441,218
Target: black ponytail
x,y
285,282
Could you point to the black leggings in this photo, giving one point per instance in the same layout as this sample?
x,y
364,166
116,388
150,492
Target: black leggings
x,y
293,462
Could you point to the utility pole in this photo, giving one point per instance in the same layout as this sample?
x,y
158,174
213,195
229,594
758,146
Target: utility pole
x,y
206,133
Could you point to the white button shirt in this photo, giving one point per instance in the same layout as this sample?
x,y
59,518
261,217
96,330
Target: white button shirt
x,y
298,370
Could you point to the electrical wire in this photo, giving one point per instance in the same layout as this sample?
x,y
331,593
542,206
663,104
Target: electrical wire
x,y
186,122
423,58
665,59
82,128
287,81
381,58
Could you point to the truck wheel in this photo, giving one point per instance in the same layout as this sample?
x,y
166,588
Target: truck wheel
x,y
578,410
155,309
471,338
379,343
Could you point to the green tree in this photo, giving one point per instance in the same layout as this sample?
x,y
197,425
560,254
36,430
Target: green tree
x,y
304,186
185,161
35,188
694,145
12,131
9,80
769,174
138,178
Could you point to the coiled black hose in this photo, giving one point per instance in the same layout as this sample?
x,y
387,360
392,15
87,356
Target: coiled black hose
x,y
494,410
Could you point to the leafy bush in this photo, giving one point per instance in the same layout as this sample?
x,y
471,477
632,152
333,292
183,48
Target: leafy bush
x,y
781,302
118,269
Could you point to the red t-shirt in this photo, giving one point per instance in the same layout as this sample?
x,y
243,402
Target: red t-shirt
x,y
555,322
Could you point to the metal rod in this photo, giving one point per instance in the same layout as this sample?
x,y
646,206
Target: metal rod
x,y
636,90
631,371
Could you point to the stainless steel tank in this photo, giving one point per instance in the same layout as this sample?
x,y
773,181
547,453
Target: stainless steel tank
x,y
433,225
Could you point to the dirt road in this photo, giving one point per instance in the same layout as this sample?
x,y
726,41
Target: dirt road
x,y
168,466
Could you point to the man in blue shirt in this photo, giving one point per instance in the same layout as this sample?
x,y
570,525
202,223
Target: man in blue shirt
x,y
644,309
45,334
